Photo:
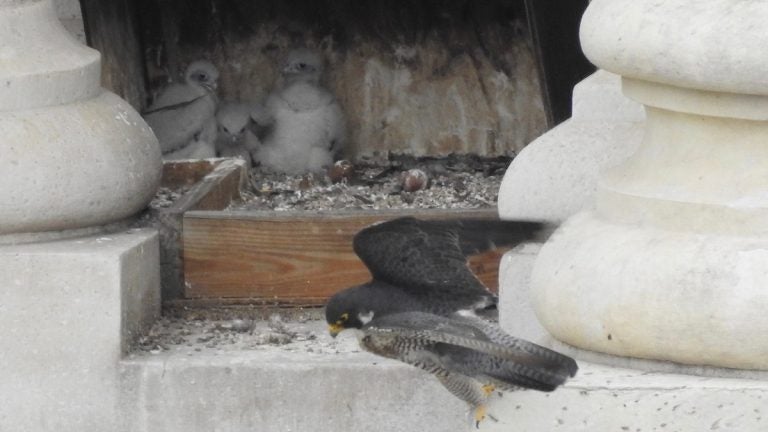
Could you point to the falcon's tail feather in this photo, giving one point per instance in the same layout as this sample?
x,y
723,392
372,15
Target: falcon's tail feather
x,y
499,336
469,347
518,358
507,375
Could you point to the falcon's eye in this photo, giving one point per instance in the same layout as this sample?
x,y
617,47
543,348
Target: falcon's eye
x,y
343,318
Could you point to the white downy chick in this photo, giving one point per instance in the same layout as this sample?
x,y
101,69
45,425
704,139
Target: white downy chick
x,y
302,123
202,145
182,114
234,137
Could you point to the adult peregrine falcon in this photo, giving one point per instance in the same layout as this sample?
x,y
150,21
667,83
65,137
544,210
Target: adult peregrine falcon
x,y
423,304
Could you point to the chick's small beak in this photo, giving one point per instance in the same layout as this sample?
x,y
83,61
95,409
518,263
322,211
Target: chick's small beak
x,y
335,329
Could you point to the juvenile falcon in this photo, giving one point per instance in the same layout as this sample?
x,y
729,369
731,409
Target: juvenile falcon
x,y
422,307
234,137
182,114
304,127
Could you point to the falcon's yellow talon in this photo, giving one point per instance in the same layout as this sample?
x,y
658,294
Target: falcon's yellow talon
x,y
479,415
488,389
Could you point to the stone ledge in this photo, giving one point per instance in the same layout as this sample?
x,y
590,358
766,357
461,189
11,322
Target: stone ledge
x,y
269,390
70,310
276,390
602,398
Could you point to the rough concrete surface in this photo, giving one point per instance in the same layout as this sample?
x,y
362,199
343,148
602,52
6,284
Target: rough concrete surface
x,y
603,398
69,311
276,376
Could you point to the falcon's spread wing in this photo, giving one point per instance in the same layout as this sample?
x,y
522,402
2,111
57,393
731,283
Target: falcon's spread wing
x,y
428,258
443,346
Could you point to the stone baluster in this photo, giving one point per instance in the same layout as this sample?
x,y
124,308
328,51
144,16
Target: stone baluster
x,y
73,155
77,287
672,263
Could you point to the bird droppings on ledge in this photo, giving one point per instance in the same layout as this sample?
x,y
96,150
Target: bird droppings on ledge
x,y
454,182
165,197
208,331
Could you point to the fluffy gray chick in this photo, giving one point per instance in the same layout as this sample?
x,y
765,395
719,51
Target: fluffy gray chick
x,y
234,136
302,124
182,114
201,146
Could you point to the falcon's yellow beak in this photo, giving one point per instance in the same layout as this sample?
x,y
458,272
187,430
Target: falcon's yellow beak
x,y
335,329
338,326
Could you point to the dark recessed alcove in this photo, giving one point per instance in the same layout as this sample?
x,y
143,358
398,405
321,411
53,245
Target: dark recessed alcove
x,y
423,77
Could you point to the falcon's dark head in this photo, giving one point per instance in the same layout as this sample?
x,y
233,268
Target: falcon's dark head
x,y
355,307
344,311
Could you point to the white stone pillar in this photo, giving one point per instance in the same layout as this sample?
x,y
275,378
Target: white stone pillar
x,y
672,263
72,155
74,160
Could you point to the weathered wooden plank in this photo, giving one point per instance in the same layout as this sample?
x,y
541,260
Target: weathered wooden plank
x,y
217,189
111,27
215,184
177,174
222,186
281,258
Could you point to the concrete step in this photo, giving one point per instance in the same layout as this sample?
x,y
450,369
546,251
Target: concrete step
x,y
258,382
237,382
604,398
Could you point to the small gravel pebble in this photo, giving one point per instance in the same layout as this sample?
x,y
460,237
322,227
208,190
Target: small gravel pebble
x,y
165,197
455,182
214,331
